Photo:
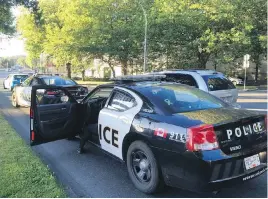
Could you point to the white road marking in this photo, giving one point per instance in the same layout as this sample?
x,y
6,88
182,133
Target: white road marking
x,y
252,100
252,94
252,109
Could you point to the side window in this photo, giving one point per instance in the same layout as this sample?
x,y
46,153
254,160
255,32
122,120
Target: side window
x,y
102,92
121,101
51,96
182,78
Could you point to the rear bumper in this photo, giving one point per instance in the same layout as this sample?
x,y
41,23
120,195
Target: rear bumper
x,y
187,171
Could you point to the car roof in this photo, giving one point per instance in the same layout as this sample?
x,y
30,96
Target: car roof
x,y
190,71
140,84
51,76
18,74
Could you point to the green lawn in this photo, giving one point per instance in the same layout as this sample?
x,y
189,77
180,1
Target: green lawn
x,y
22,174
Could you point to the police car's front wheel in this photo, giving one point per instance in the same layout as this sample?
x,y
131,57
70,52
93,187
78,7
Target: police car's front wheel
x,y
142,168
14,100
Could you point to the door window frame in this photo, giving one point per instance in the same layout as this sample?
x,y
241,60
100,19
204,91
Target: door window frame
x,y
87,98
116,90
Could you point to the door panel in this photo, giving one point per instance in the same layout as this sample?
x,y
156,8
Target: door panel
x,y
115,120
54,114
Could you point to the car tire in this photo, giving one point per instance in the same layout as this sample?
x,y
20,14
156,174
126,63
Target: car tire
x,y
143,168
14,100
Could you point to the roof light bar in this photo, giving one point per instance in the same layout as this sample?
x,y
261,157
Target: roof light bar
x,y
138,78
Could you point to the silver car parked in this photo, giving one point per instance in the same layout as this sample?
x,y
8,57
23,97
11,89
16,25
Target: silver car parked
x,y
209,81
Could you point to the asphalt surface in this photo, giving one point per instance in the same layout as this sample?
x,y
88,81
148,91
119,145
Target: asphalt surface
x,y
96,174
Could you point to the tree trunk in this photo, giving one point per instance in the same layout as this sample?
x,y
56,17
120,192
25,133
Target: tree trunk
x,y
215,61
124,67
83,75
111,67
202,59
68,68
257,62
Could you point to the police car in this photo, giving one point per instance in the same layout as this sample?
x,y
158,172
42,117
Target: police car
x,y
21,94
167,133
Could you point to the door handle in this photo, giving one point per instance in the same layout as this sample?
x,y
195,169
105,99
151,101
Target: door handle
x,y
63,108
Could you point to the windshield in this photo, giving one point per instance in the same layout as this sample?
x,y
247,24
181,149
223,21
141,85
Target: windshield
x,y
218,82
58,81
20,77
177,99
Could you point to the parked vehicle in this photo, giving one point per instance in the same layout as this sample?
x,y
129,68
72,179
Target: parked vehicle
x,y
236,81
209,81
167,133
13,79
21,95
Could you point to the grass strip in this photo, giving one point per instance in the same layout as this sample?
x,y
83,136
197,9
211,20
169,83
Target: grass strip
x,y
22,173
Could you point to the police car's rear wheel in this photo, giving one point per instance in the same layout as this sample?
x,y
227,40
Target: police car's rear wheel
x,y
14,100
142,167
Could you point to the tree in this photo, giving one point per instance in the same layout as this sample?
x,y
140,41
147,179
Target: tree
x,y
34,36
21,61
254,24
6,17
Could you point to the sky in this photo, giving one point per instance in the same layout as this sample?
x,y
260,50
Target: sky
x,y
13,46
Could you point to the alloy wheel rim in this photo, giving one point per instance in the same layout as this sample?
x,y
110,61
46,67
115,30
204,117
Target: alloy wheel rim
x,y
141,166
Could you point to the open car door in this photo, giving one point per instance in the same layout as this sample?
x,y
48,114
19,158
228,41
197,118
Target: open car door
x,y
53,114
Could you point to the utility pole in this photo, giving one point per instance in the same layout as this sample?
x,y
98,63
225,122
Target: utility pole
x,y
246,65
145,37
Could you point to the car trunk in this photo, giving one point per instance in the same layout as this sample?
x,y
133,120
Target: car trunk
x,y
242,135
237,130
230,96
221,87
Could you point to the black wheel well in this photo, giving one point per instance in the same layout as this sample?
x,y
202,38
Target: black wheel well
x,y
129,138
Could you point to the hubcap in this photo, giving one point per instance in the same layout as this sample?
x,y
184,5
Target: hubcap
x,y
141,166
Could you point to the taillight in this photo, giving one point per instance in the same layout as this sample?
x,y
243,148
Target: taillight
x,y
201,138
51,93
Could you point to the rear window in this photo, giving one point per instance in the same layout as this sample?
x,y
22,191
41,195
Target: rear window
x,y
181,78
58,81
216,82
20,77
175,98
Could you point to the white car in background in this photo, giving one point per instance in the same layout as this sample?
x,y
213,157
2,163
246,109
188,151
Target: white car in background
x,y
13,80
210,81
236,81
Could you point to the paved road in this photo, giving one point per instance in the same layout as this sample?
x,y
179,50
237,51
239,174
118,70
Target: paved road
x,y
96,174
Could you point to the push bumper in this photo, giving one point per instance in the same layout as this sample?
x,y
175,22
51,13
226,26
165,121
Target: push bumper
x,y
193,172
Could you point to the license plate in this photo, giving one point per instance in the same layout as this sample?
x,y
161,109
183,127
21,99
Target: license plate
x,y
252,161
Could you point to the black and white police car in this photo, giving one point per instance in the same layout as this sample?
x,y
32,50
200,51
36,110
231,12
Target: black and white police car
x,y
167,133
